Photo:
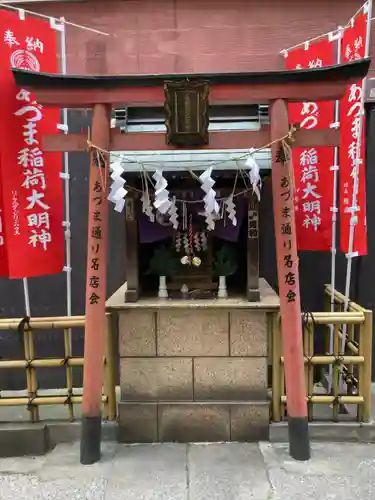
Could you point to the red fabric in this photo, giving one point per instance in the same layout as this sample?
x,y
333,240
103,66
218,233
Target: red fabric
x,y
30,179
3,253
353,48
313,178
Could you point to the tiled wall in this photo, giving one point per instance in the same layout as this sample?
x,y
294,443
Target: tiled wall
x,y
192,36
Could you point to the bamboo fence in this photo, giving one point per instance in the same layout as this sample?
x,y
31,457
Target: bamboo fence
x,y
30,364
353,366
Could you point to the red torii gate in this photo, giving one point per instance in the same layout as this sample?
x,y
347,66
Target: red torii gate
x,y
101,93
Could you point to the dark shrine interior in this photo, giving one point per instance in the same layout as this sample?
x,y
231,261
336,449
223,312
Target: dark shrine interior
x,y
236,283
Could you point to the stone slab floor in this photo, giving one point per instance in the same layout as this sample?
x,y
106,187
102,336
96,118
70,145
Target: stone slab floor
x,y
193,472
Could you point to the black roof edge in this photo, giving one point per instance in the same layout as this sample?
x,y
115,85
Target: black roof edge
x,y
356,69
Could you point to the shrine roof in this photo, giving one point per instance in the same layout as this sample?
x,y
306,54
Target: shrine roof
x,y
352,70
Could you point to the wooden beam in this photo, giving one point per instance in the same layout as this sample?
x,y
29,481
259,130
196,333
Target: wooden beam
x,y
219,94
149,141
313,138
131,249
252,288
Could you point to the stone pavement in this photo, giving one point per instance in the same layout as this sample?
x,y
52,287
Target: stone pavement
x,y
228,471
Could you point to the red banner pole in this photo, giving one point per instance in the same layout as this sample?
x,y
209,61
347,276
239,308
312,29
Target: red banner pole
x,y
334,209
96,284
288,277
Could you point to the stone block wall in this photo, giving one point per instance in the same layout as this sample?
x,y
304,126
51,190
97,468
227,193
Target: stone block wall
x,y
193,374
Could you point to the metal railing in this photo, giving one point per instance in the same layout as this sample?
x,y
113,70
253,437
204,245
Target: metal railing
x,y
31,363
351,370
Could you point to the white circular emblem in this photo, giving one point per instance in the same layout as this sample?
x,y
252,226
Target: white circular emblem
x,y
23,59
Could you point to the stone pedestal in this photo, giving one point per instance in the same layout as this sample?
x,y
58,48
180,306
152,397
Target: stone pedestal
x,y
194,371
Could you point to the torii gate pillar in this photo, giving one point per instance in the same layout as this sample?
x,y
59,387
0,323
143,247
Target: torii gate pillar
x,y
96,285
289,290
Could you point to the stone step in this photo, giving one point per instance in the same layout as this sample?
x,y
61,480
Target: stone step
x,y
37,438
187,421
350,432
18,440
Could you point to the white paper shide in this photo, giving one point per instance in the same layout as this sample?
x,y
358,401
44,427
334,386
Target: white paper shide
x,y
117,191
211,206
254,175
161,201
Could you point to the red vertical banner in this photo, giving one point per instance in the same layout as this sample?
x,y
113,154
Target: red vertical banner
x,y
313,176
353,48
3,249
30,178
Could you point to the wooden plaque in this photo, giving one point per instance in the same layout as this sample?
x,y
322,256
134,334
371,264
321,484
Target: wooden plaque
x,y
186,107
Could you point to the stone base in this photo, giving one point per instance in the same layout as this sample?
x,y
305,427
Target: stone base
x,y
187,422
194,370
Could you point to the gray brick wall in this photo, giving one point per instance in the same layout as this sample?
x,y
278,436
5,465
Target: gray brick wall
x,y
193,375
